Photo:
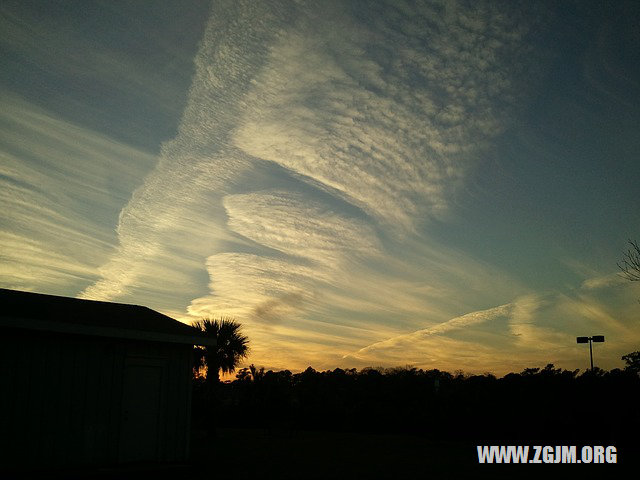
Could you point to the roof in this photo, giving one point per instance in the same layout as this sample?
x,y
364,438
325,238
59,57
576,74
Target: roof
x,y
37,311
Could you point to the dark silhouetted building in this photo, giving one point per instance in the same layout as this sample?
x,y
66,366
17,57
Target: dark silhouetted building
x,y
92,383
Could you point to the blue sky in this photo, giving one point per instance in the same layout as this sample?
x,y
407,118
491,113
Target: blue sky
x,y
439,184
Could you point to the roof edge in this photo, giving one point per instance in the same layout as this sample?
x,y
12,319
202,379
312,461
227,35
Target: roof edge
x,y
109,332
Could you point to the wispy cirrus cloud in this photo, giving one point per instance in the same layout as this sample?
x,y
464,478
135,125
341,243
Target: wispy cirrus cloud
x,y
533,330
242,283
298,226
314,246
62,187
604,281
463,321
177,211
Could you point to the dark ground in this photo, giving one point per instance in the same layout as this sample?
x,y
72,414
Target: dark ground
x,y
402,423
259,453
235,453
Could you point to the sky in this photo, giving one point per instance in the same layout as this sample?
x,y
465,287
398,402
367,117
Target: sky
x,y
437,184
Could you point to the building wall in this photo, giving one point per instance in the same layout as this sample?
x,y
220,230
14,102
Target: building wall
x,y
175,407
61,400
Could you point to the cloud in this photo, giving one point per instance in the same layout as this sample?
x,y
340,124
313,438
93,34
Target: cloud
x,y
62,187
463,321
392,133
389,113
243,283
604,281
178,206
320,147
315,245
273,309
297,226
334,267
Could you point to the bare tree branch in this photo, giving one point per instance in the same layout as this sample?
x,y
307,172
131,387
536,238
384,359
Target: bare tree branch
x,y
630,264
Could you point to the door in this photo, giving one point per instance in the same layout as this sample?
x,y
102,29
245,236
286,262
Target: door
x,y
141,426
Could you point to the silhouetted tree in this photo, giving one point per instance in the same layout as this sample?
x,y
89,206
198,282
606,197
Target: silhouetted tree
x,y
243,375
257,374
545,403
630,264
633,361
230,348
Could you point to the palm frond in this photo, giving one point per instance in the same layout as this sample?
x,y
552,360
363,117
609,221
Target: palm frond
x,y
231,345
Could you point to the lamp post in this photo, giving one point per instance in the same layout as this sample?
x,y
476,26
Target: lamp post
x,y
595,338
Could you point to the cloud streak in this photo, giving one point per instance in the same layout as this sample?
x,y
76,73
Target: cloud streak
x,y
62,187
463,321
294,225
178,206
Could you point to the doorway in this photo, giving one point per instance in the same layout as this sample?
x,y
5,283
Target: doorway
x,y
141,425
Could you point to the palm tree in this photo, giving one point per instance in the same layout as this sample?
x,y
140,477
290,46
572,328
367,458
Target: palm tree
x,y
231,346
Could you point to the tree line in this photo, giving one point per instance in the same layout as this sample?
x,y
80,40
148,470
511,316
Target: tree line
x,y
537,404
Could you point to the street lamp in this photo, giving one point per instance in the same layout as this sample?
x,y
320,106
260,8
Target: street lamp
x,y
595,338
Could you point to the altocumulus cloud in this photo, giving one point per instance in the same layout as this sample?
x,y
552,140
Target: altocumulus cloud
x,y
384,104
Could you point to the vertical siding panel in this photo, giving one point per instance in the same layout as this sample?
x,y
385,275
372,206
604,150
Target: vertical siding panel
x,y
116,404
92,401
107,394
11,371
14,372
21,403
180,405
100,401
41,386
106,373
95,401
80,372
59,434
172,404
5,387
187,385
166,393
50,400
66,405
53,435
36,400
179,444
24,406
185,403
45,387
